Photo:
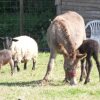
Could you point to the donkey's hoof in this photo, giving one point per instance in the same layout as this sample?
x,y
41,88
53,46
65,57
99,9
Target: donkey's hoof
x,y
80,80
44,82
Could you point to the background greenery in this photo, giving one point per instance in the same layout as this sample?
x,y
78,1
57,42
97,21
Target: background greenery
x,y
24,85
36,18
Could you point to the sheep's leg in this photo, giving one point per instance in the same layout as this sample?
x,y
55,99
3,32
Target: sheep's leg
x,y
95,56
12,66
34,63
89,70
16,66
18,69
82,70
25,65
50,64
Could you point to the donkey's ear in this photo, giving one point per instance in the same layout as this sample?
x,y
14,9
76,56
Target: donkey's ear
x,y
1,38
15,40
81,56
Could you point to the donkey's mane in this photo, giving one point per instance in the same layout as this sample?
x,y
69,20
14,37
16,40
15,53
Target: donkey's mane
x,y
66,35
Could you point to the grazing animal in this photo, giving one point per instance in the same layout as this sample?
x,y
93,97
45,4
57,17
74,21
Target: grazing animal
x,y
91,47
23,49
64,35
5,58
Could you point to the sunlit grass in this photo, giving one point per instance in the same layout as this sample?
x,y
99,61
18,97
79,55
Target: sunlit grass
x,y
24,84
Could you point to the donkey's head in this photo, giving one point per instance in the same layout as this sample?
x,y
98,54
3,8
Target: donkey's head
x,y
71,65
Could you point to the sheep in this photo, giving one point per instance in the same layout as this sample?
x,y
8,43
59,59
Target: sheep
x,y
23,49
5,58
91,47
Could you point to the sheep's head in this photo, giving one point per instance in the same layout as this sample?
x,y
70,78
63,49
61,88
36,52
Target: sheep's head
x,y
7,41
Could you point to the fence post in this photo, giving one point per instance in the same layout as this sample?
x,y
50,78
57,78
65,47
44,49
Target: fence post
x,y
58,4
21,17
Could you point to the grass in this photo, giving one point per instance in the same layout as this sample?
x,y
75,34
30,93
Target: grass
x,y
24,85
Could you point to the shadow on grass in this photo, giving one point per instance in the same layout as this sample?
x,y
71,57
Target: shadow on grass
x,y
22,84
32,83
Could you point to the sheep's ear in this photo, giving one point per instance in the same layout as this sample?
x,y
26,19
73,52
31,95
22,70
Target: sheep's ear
x,y
14,40
81,56
1,38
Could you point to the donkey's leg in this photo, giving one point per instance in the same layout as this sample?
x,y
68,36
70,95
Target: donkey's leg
x,y
65,69
86,67
82,70
95,56
89,69
50,64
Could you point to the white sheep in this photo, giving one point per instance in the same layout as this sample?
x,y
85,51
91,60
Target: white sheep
x,y
23,50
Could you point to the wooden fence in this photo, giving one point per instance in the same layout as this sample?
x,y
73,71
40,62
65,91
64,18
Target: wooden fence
x,y
89,9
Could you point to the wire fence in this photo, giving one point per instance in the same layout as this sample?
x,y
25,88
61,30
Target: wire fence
x,y
30,17
9,19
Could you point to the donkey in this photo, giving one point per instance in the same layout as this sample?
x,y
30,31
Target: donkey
x,y
91,47
64,35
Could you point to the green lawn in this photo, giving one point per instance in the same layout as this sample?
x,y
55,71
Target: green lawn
x,y
24,85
